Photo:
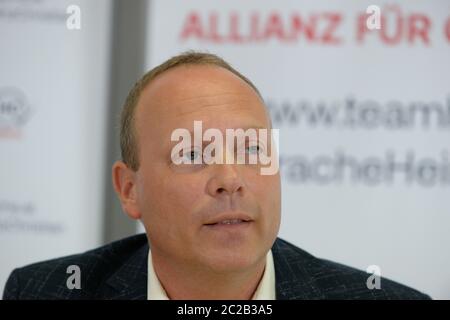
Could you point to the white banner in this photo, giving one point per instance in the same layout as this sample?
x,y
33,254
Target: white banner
x,y
364,119
53,96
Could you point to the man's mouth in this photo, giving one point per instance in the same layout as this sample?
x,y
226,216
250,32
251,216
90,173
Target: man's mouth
x,y
228,222
229,218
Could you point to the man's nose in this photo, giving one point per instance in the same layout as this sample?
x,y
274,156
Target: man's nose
x,y
226,180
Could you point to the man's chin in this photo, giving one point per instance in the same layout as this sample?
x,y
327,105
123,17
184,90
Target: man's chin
x,y
229,236
229,260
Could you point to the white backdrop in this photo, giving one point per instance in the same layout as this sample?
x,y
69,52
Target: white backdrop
x,y
53,94
364,120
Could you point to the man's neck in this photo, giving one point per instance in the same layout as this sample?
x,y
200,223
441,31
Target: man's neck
x,y
183,283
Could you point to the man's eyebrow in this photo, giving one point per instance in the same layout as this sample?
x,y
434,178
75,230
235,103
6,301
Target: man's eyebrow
x,y
245,128
234,128
254,127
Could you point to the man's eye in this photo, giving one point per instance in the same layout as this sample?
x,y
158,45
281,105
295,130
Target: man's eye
x,y
253,149
192,155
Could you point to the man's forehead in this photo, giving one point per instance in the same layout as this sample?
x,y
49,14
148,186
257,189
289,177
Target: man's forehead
x,y
197,91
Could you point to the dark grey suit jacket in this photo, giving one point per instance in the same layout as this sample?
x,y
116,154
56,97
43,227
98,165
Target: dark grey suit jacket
x,y
119,271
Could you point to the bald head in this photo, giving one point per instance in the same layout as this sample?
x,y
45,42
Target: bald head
x,y
182,95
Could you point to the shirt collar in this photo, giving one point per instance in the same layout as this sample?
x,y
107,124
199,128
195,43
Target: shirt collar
x,y
264,291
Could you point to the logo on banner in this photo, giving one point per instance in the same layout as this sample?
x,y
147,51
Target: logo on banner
x,y
15,112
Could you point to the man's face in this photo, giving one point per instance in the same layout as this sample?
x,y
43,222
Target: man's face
x,y
181,205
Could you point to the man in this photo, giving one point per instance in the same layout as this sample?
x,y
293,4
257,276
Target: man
x,y
211,228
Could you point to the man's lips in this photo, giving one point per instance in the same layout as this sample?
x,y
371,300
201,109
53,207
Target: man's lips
x,y
234,225
230,219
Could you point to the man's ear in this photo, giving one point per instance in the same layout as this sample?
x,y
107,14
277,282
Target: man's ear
x,y
124,181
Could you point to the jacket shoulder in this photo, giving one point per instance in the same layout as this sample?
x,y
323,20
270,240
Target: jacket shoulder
x,y
339,281
48,279
330,280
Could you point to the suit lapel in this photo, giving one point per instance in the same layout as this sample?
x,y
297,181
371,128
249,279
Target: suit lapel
x,y
293,278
